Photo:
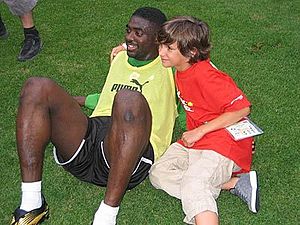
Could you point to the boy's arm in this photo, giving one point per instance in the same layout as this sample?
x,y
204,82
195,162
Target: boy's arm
x,y
89,101
116,50
224,120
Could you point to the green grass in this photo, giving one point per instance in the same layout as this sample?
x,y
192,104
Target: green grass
x,y
256,42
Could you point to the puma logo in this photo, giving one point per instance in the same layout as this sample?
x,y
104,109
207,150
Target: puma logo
x,y
135,81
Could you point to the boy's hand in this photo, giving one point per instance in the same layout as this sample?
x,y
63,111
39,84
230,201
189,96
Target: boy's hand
x,y
190,137
116,50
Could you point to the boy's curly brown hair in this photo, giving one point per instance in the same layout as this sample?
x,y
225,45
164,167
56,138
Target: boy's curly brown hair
x,y
191,34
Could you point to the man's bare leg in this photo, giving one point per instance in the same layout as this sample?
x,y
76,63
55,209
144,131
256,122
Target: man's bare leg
x,y
46,113
126,141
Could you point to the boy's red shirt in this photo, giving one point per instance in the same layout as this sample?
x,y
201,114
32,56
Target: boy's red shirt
x,y
206,93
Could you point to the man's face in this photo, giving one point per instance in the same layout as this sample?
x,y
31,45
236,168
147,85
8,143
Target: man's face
x,y
140,39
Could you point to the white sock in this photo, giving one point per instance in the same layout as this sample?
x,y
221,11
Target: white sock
x,y
106,215
31,195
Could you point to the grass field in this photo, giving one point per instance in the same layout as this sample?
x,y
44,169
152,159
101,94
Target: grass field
x,y
257,43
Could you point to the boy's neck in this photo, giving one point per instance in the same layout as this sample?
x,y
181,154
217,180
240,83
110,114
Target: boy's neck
x,y
183,67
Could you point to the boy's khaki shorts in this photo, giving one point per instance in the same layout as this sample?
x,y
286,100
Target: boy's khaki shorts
x,y
194,176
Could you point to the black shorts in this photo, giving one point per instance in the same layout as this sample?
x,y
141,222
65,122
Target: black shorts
x,y
89,163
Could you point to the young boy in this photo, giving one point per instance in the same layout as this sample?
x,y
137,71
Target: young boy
x,y
202,162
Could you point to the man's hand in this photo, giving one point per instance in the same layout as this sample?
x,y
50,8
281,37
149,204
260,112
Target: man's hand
x,y
80,100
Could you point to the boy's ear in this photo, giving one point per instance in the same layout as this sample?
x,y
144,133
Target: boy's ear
x,y
194,52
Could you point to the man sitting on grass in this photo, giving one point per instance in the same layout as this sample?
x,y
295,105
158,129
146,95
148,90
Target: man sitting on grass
x,y
115,146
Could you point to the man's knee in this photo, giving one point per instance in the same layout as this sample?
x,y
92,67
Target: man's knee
x,y
132,106
127,97
35,88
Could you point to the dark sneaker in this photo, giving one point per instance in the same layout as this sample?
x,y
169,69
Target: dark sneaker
x,y
32,45
3,31
33,217
248,190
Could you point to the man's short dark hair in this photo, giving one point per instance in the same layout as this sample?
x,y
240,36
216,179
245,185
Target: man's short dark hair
x,y
151,14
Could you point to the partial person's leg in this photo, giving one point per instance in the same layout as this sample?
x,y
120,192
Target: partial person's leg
x,y
125,142
32,43
27,20
167,172
3,31
22,9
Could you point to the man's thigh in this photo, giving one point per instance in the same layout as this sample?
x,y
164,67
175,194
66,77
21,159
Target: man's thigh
x,y
54,111
88,163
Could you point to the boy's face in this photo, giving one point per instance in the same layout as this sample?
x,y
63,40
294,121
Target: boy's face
x,y
172,57
140,39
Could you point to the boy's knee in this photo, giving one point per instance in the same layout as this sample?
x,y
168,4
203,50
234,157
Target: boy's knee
x,y
155,176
